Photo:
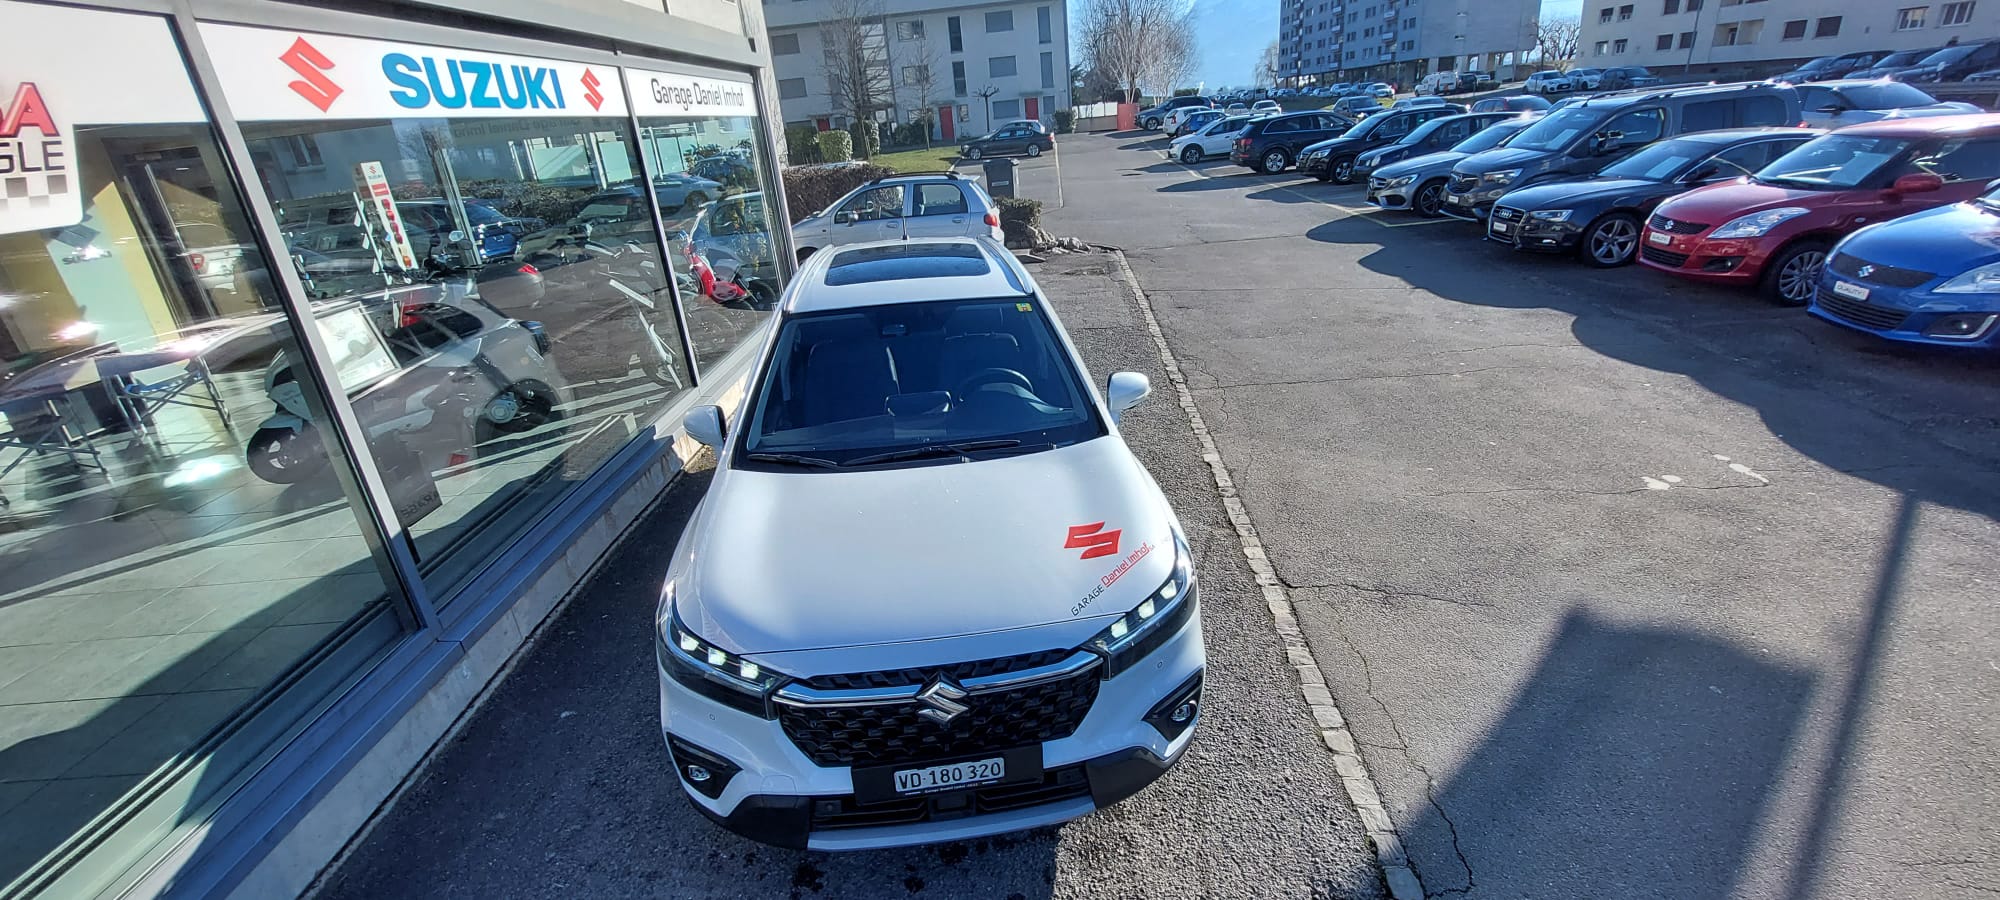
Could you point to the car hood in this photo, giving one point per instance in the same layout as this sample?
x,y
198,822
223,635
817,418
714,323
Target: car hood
x,y
1499,159
1947,240
788,561
1719,203
1563,194
1429,162
1340,143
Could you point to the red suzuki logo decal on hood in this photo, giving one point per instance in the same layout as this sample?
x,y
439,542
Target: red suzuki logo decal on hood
x,y
1094,539
311,65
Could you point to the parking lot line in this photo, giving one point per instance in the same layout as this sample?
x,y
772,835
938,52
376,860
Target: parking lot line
x,y
1370,213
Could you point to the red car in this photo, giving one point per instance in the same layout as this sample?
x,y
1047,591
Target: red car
x,y
1773,229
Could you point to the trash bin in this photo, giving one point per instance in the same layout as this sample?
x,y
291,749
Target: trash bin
x,y
1000,177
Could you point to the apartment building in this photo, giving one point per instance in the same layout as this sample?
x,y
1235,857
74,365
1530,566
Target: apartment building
x,y
968,66
1749,36
1401,40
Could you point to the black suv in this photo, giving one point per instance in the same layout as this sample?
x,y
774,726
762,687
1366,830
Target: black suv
x,y
1269,145
1952,63
1333,160
1588,135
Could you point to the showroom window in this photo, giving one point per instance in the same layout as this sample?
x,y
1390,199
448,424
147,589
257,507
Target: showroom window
x,y
183,580
489,217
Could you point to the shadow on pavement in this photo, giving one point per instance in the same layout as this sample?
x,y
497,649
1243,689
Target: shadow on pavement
x,y
1651,752
1824,398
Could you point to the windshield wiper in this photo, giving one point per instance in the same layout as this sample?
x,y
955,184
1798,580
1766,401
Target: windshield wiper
x,y
793,459
930,451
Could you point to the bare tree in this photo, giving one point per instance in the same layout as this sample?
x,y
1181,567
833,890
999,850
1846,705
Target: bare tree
x,y
920,63
1139,44
1269,65
856,65
986,93
1556,40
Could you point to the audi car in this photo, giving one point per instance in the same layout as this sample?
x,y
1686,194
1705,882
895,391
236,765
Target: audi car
x,y
930,595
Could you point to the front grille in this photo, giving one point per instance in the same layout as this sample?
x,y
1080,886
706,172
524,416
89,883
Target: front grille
x,y
1672,226
1463,184
1506,213
893,733
1865,314
1058,784
1889,276
923,675
1666,258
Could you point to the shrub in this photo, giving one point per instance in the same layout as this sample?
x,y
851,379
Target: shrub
x,y
913,134
835,146
809,189
802,145
1019,220
1065,121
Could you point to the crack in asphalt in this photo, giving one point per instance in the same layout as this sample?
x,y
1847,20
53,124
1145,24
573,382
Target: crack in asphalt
x,y
1430,783
1224,387
1385,592
1570,490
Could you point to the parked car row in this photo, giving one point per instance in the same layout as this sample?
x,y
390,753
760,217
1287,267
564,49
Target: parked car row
x,y
1890,226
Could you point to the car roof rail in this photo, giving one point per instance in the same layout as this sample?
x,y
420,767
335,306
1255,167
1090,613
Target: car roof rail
x,y
940,173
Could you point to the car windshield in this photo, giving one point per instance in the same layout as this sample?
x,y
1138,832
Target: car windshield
x,y
1833,162
1658,162
1903,58
941,379
1949,55
1558,130
1819,63
1225,126
1884,95
1491,137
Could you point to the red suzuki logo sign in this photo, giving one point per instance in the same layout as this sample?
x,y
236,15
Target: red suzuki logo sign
x,y
1093,539
591,94
311,65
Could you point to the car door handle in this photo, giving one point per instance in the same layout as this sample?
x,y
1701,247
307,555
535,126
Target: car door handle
x,y
957,220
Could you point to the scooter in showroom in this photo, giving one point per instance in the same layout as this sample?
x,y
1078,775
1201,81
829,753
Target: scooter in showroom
x,y
434,373
578,268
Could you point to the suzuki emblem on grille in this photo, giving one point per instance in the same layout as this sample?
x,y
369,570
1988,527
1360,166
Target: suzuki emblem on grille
x,y
940,701
1864,271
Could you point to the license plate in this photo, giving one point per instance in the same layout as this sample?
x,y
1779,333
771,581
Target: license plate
x,y
1455,199
1850,290
950,775
1660,237
1501,227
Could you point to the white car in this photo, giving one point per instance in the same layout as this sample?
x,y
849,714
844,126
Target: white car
x,y
1214,140
1548,82
930,595
1175,118
934,205
1263,107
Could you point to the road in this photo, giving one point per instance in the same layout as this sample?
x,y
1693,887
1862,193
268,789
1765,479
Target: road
x,y
1628,588
560,784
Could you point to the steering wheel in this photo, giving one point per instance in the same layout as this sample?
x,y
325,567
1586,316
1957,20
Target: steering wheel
x,y
985,377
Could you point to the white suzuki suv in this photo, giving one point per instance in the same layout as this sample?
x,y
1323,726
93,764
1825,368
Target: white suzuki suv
x,y
930,594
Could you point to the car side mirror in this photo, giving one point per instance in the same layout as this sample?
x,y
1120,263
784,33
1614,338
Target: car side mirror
x,y
1124,390
1922,183
843,217
704,424
1705,173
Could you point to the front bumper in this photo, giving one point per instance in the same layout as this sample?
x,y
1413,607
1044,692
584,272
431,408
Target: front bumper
x,y
1383,195
1314,164
774,793
1906,315
1472,206
1518,230
1736,262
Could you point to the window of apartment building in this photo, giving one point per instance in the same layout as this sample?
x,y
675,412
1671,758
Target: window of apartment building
x,y
1911,18
958,79
1732,34
910,31
1044,25
1409,45
1006,109
1687,40
1691,6
1827,27
1956,14
1048,70
1625,12
1000,67
1618,46
784,44
1669,7
917,74
1795,30
1409,23
1663,42
1601,48
791,88
1000,21
1604,15
957,37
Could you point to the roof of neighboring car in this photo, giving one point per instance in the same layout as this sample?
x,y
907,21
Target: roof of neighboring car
x,y
885,272
1664,92
1923,127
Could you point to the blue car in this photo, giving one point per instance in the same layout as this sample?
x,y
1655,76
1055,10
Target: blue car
x,y
1928,278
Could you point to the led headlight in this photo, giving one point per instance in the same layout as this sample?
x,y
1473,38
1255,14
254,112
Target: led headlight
x,y
709,670
1158,617
1404,181
1504,176
1317,154
1550,215
1757,224
1983,280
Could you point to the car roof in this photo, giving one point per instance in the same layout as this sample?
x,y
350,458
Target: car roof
x,y
1931,126
1661,92
1852,82
885,272
1732,135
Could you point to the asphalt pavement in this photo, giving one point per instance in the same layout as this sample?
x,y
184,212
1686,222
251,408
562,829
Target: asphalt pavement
x,y
1628,587
560,784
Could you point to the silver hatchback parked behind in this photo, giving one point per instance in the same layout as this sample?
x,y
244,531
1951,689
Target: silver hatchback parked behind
x,y
929,205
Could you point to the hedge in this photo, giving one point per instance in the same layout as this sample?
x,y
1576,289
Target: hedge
x,y
1019,219
835,146
1065,121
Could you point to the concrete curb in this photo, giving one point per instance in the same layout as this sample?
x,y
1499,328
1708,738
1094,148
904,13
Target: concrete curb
x,y
1396,871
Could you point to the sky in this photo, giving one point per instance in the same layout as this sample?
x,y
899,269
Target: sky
x,y
1234,32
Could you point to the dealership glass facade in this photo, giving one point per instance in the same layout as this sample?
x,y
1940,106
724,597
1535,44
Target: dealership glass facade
x,y
511,269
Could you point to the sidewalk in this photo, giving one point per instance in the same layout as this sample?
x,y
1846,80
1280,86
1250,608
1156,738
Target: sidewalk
x,y
559,785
